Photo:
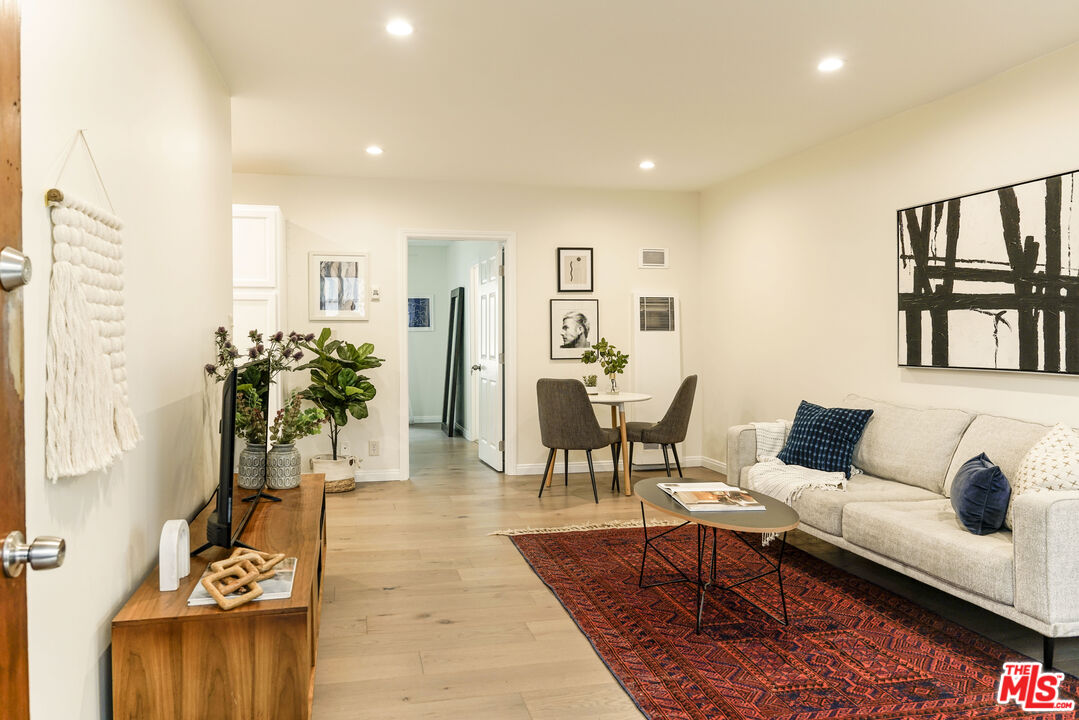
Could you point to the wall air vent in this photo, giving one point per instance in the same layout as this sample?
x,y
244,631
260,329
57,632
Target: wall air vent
x,y
656,314
653,258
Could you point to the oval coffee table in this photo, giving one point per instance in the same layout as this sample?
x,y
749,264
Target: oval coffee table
x,y
777,517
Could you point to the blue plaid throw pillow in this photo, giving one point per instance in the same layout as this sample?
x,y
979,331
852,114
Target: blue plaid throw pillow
x,y
824,438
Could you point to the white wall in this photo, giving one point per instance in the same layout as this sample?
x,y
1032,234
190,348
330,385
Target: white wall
x,y
355,214
428,274
135,75
799,258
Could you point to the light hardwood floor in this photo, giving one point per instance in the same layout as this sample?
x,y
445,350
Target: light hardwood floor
x,y
426,616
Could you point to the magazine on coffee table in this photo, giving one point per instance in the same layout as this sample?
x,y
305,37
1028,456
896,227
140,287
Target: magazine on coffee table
x,y
710,497
276,588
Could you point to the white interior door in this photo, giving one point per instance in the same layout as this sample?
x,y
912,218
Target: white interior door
x,y
258,277
489,330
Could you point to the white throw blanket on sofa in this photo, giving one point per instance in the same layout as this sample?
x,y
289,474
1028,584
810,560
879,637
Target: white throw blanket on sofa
x,y
786,482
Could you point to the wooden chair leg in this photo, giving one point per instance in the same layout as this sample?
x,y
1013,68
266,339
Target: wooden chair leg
x,y
615,451
565,466
666,460
676,462
547,470
592,473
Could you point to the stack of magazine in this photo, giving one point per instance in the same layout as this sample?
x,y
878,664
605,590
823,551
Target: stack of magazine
x,y
710,497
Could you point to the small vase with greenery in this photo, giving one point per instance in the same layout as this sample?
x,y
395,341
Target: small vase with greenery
x,y
589,381
338,388
290,424
611,359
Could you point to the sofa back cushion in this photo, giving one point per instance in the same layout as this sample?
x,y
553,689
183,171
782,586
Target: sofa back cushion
x,y
909,445
1005,440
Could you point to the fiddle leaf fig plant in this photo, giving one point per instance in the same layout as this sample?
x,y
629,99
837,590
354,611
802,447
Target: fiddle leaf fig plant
x,y
337,387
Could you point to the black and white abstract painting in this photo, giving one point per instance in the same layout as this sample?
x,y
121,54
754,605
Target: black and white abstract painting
x,y
574,269
991,280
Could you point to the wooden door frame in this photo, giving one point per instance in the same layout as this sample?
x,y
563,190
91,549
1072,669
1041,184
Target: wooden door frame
x,y
14,679
508,239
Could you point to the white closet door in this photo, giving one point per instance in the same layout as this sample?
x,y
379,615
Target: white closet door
x,y
258,277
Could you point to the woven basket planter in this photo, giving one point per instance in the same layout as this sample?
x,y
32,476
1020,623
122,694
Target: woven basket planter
x,y
340,473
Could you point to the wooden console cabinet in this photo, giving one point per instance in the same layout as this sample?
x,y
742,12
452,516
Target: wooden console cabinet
x,y
252,663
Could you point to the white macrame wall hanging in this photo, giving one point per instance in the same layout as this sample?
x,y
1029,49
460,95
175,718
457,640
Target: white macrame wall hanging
x,y
89,422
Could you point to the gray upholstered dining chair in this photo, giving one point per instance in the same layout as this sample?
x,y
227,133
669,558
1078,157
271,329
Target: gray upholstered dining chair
x,y
671,429
568,422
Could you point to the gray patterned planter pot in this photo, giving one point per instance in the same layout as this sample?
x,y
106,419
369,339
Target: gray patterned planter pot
x,y
252,469
283,467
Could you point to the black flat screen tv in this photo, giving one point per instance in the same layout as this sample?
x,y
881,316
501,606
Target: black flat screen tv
x,y
219,524
221,531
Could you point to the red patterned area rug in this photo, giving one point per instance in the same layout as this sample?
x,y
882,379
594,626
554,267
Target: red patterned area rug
x,y
852,650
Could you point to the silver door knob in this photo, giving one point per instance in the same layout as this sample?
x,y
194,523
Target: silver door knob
x,y
45,553
15,269
476,367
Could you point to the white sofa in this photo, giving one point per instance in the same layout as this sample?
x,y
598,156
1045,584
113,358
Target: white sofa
x,y
898,513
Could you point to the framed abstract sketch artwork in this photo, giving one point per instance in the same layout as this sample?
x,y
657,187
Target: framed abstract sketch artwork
x,y
990,281
421,313
337,286
574,327
574,269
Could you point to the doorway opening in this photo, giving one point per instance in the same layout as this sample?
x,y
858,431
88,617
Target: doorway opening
x,y
457,392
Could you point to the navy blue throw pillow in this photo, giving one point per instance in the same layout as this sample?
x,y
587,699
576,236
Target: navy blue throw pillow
x,y
980,494
824,438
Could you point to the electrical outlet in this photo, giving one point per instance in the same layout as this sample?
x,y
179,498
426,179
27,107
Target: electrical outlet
x,y
373,448
344,448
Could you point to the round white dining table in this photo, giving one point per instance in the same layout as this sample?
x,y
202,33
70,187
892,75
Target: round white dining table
x,y
618,401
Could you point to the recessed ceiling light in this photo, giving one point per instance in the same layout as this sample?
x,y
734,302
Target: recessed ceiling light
x,y
399,27
830,64
374,150
646,165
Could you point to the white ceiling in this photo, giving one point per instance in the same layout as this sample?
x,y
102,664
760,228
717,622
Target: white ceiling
x,y
577,92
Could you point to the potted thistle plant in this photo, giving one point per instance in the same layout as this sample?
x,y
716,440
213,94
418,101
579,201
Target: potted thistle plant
x,y
338,388
290,424
610,358
256,368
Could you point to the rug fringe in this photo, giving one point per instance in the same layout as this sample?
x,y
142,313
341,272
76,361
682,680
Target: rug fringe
x,y
610,524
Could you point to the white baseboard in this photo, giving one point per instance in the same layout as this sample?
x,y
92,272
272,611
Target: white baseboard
x,y
711,464
424,419
379,475
608,465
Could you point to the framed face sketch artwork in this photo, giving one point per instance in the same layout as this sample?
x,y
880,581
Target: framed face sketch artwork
x,y
574,269
574,327
337,286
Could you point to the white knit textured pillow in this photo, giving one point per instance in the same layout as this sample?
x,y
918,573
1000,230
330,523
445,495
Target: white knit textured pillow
x,y
1052,464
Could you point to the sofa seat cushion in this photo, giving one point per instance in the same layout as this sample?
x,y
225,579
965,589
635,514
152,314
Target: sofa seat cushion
x,y
910,445
823,509
927,536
